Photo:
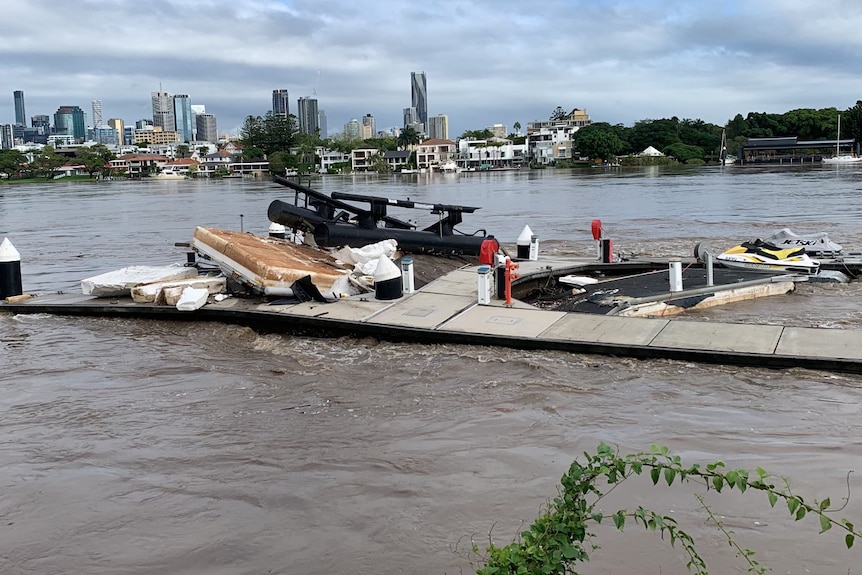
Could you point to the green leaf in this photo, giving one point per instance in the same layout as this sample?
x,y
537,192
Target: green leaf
x,y
718,482
569,552
824,504
800,513
620,520
669,475
773,499
731,477
825,524
792,505
655,474
848,540
637,467
597,517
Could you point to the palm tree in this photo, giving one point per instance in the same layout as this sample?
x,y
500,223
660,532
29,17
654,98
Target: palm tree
x,y
517,127
408,137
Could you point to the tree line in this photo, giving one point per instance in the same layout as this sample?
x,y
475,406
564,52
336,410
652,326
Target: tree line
x,y
695,140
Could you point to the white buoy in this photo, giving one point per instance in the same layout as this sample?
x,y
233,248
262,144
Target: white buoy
x,y
277,230
10,270
524,243
387,279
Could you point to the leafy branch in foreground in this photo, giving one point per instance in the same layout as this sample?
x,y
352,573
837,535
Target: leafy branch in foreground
x,y
561,536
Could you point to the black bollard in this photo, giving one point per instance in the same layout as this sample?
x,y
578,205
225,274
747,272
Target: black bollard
x,y
10,270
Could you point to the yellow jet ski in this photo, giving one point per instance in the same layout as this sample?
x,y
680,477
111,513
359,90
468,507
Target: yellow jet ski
x,y
769,258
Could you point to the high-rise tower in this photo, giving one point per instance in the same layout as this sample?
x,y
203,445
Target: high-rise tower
x,y
163,111
97,113
183,118
419,93
280,103
20,116
309,120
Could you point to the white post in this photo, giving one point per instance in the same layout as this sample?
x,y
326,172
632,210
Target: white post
x,y
407,275
675,275
484,285
534,247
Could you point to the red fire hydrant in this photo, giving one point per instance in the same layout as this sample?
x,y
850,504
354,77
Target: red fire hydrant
x,y
510,275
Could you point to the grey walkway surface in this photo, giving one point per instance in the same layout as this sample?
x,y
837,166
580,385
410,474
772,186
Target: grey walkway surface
x,y
447,310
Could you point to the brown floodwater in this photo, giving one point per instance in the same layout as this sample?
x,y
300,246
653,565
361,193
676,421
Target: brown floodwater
x,y
145,447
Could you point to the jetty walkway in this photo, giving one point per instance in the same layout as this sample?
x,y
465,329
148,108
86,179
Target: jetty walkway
x,y
446,310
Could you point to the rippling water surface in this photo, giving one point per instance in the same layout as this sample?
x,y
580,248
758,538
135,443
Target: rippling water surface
x,y
148,447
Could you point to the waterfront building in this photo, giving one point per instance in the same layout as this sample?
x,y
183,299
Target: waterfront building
x,y
419,96
437,152
280,102
97,113
308,115
118,125
207,131
490,153
69,121
438,127
549,141
20,115
163,111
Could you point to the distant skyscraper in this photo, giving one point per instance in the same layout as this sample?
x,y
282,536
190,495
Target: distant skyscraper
x,y
352,129
280,102
6,140
419,93
141,124
97,114
321,115
411,118
369,129
183,118
308,116
41,122
163,111
197,109
120,126
69,120
438,127
20,116
206,128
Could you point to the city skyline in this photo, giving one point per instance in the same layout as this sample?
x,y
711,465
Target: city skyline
x,y
621,60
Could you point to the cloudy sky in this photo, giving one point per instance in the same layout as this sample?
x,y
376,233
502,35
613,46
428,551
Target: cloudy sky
x,y
486,61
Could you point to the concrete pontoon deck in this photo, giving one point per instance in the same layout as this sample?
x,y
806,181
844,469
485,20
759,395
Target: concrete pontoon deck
x,y
446,311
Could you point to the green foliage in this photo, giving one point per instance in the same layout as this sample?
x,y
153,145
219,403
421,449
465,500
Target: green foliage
x,y
95,159
598,141
270,133
46,162
563,536
11,162
483,134
408,137
684,152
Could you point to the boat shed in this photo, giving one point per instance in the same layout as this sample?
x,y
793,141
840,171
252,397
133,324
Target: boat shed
x,y
790,149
